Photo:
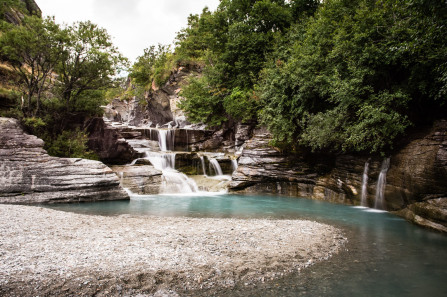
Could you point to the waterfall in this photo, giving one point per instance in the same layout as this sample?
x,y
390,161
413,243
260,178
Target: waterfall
x,y
176,182
381,184
234,164
216,167
172,180
202,160
121,178
166,140
364,201
161,161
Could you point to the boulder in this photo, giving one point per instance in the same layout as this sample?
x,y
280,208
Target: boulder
x,y
29,175
142,179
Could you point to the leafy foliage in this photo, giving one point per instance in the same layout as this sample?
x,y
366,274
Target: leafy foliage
x,y
71,144
33,50
361,73
64,74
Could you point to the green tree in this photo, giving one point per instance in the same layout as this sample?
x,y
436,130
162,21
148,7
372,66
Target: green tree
x,y
32,50
88,64
154,66
359,75
234,43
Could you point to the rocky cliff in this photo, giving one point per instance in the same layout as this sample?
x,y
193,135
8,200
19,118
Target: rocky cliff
x,y
157,106
15,15
416,180
29,175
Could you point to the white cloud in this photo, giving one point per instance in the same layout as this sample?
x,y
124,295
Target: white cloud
x,y
133,24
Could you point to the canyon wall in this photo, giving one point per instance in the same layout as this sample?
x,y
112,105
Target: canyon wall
x,y
416,181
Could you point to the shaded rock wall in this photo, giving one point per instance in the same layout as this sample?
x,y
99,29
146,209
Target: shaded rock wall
x,y
29,175
108,143
416,185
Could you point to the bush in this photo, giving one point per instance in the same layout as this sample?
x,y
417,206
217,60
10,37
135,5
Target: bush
x,y
70,144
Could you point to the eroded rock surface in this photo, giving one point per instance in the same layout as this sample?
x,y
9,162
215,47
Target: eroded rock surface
x,y
29,175
141,179
416,182
109,144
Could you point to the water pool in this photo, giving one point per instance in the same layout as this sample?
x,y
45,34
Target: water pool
x,y
385,255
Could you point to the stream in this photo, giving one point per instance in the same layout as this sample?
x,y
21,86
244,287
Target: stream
x,y
385,255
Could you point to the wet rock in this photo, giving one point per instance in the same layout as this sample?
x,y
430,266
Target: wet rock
x,y
263,168
29,175
416,182
143,179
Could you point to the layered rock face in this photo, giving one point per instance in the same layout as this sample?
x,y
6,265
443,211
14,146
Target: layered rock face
x,y
109,144
415,187
29,175
15,17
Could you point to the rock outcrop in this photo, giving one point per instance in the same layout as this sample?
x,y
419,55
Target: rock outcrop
x,y
416,182
108,143
157,106
141,179
15,16
29,175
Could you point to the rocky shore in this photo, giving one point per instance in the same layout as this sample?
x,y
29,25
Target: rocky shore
x,y
46,252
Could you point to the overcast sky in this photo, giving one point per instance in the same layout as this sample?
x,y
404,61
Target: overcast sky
x,y
133,24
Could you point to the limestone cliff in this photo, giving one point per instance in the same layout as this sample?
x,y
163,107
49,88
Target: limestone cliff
x,y
416,182
157,106
29,175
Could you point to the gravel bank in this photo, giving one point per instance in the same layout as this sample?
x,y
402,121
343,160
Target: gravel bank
x,y
54,253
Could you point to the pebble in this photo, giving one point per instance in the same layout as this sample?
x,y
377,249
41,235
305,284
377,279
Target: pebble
x,y
39,245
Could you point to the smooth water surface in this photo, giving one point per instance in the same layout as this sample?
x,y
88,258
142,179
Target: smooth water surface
x,y
385,255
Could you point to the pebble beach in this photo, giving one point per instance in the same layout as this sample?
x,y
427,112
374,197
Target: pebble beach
x,y
45,252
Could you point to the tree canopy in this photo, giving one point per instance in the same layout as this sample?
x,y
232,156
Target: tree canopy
x,y
334,75
63,73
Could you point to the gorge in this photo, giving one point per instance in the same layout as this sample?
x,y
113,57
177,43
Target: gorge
x,y
279,148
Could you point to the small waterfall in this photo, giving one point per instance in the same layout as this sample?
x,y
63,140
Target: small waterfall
x,y
202,160
216,167
172,180
166,140
161,161
234,164
381,184
121,178
364,201
176,182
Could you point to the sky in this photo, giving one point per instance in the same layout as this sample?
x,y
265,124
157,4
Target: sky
x,y
133,24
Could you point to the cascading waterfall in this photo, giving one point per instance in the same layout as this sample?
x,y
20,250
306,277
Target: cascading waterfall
x,y
364,198
216,167
172,180
161,161
166,139
381,184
